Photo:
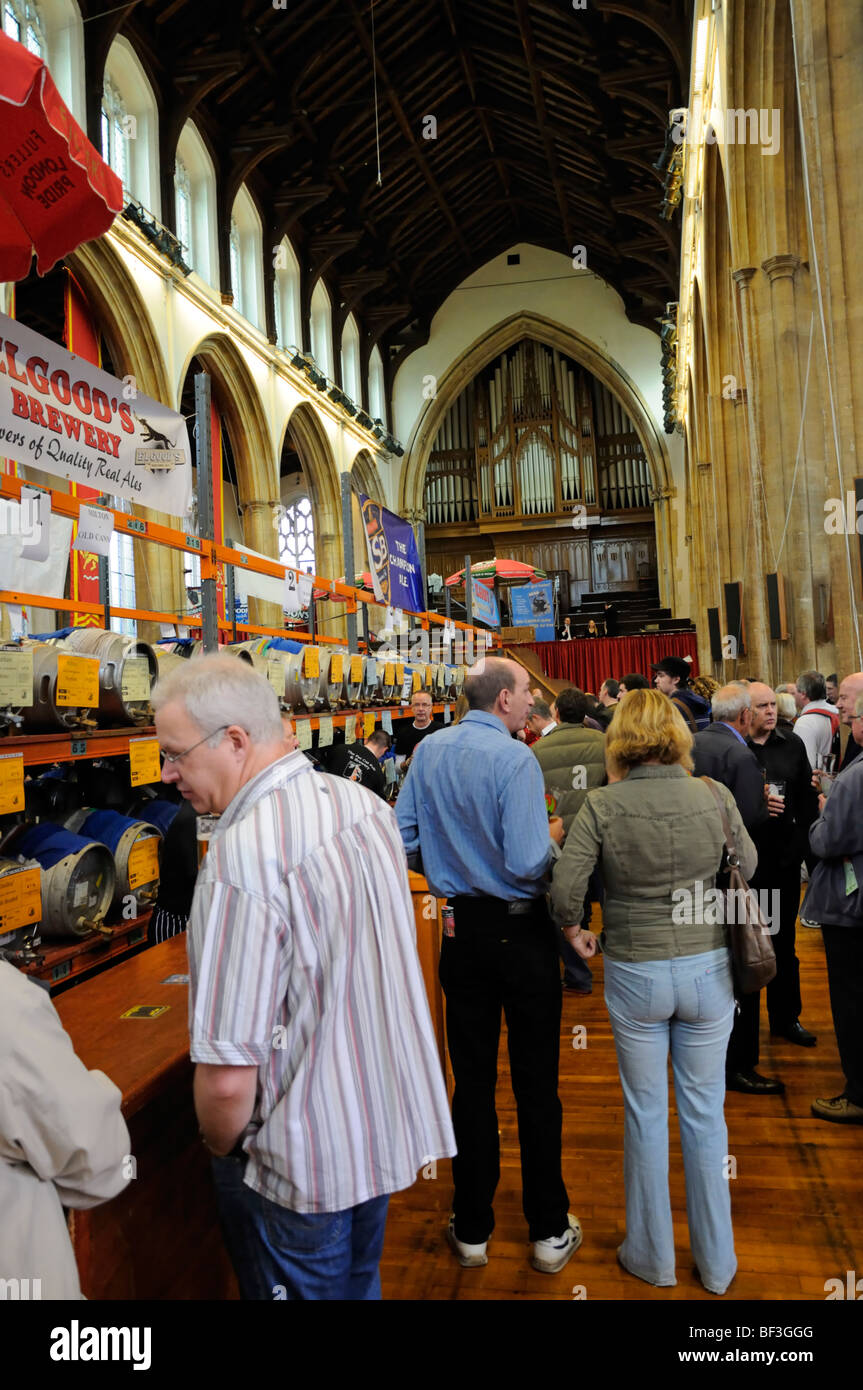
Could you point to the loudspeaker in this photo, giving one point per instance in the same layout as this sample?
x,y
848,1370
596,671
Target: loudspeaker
x,y
736,627
776,611
715,634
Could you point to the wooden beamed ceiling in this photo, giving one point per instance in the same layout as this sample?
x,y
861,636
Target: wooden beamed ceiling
x,y
548,118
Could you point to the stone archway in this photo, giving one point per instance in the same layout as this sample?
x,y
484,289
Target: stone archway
x,y
609,372
244,421
319,468
135,350
122,317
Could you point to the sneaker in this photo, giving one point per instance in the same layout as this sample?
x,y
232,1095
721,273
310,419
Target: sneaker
x,y
839,1109
804,922
550,1256
468,1256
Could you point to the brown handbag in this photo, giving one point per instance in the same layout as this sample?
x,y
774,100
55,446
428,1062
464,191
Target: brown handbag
x,y
753,960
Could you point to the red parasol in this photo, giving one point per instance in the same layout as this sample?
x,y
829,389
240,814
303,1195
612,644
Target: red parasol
x,y
492,570
56,191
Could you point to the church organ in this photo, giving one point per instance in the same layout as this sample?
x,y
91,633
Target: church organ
x,y
534,435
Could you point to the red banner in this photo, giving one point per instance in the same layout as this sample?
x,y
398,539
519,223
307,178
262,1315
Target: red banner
x,y
81,336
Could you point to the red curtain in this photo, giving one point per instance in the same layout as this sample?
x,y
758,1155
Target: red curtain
x,y
587,662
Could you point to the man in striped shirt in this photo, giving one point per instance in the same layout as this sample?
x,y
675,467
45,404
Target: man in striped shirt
x,y
318,1085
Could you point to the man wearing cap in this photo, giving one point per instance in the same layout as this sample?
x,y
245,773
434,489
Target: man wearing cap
x,y
671,676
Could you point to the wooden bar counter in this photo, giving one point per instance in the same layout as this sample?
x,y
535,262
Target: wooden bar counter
x,y
160,1238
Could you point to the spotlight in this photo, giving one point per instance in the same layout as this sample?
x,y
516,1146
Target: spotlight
x,y
364,420
298,360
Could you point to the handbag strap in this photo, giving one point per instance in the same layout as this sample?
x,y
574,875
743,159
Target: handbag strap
x,y
733,857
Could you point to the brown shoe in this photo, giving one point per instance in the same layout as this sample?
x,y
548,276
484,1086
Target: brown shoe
x,y
839,1109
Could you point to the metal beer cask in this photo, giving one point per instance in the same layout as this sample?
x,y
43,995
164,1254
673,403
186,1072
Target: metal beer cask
x,y
78,878
117,702
135,845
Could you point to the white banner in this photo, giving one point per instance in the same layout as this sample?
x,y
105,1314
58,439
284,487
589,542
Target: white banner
x,y
69,418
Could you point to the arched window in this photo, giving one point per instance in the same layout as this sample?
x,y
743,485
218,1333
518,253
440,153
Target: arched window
x,y
377,404
351,359
297,536
236,272
22,21
196,178
247,279
183,196
121,573
63,32
115,128
130,121
287,296
322,330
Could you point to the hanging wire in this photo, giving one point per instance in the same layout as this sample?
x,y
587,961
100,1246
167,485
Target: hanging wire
x,y
375,79
814,257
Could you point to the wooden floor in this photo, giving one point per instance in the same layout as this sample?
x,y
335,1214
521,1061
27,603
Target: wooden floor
x,y
796,1200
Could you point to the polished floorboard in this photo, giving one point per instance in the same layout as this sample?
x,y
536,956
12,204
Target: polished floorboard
x,y
796,1199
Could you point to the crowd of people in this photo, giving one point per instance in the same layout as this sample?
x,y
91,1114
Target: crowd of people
x,y
318,1086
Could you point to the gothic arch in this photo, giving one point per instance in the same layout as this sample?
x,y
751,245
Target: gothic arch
x,y
123,317
319,467
490,346
243,413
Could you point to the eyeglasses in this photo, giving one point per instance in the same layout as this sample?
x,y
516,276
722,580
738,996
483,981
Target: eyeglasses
x,y
175,757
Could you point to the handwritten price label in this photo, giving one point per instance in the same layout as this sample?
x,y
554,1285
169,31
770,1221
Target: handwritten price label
x,y
311,663
337,668
77,680
356,670
20,899
144,761
144,862
11,782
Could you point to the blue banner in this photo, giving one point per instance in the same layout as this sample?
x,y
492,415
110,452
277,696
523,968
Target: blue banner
x,y
393,558
484,604
532,605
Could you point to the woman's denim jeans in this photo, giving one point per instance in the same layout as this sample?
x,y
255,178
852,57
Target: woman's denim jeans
x,y
685,1004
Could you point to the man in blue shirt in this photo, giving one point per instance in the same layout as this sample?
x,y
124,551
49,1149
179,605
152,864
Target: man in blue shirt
x,y
473,803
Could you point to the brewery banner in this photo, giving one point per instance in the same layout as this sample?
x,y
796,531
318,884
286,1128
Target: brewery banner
x,y
484,603
67,417
393,557
532,605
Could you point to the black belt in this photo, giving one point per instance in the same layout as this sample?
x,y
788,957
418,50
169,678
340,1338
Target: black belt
x,y
518,907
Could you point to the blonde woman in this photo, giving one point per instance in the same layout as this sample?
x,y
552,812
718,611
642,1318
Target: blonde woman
x,y
657,836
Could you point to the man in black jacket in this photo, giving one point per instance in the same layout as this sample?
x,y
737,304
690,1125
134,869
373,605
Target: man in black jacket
x,y
721,752
782,842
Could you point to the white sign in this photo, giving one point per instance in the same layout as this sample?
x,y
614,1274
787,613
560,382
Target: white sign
x,y
67,417
95,529
298,591
37,546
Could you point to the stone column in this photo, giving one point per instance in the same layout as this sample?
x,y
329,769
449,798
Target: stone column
x,y
781,383
260,533
754,592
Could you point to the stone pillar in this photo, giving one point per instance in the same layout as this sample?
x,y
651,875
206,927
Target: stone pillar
x,y
782,375
754,592
259,533
160,581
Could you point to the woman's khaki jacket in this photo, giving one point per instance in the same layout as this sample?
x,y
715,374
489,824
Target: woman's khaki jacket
x,y
658,839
